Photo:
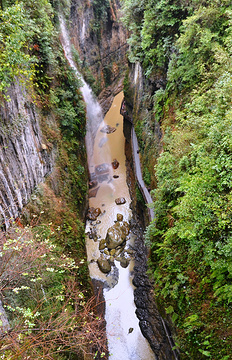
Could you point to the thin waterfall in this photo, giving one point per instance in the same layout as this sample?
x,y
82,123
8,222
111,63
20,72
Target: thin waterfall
x,y
93,109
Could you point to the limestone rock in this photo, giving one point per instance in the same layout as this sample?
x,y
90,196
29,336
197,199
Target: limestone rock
x,y
117,234
93,213
120,201
115,164
102,244
104,265
119,217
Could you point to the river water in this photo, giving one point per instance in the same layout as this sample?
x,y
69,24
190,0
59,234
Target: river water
x,y
125,340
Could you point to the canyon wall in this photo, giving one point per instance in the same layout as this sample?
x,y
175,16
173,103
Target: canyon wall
x,y
25,160
138,109
101,42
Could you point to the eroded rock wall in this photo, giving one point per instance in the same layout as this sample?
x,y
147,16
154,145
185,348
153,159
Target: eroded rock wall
x,y
139,109
24,159
138,112
101,44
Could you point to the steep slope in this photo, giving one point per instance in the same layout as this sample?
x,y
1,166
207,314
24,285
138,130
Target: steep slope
x,y
99,37
185,54
25,159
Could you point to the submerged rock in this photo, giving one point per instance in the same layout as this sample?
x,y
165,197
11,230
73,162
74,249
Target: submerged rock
x,y
93,192
107,129
101,169
120,201
102,142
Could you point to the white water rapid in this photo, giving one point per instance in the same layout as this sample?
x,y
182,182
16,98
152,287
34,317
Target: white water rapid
x,y
125,340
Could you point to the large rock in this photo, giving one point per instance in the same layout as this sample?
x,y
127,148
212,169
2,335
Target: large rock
x,y
120,201
117,234
93,213
104,265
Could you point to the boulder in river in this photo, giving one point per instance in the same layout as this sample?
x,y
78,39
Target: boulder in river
x,y
104,265
107,129
102,244
117,234
120,201
115,164
93,213
124,262
119,217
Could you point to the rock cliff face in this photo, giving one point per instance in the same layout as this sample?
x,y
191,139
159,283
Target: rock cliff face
x,y
138,111
138,108
101,42
24,158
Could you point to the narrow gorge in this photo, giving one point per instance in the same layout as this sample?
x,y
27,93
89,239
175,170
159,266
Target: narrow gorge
x,y
30,153
115,179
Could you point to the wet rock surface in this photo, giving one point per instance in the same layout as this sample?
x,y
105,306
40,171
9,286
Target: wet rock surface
x,y
120,201
117,234
93,183
93,213
104,265
102,169
113,246
93,192
115,164
150,320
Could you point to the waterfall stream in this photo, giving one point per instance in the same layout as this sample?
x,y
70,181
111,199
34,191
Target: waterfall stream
x,y
125,340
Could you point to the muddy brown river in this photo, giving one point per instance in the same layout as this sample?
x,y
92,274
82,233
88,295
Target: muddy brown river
x,y
125,340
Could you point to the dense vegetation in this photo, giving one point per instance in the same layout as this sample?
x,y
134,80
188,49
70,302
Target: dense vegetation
x,y
188,46
44,282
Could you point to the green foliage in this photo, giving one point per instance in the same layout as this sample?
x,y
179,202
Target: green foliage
x,y
15,33
69,106
46,293
190,239
161,23
153,26
100,10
